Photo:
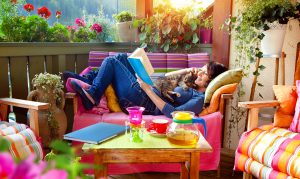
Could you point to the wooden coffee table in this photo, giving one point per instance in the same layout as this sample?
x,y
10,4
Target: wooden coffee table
x,y
151,150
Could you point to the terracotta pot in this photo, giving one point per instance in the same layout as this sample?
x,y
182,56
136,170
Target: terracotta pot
x,y
126,32
56,109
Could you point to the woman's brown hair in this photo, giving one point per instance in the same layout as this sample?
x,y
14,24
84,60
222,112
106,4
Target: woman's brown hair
x,y
214,69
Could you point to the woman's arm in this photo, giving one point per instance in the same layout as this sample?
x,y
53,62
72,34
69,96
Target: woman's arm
x,y
182,71
153,96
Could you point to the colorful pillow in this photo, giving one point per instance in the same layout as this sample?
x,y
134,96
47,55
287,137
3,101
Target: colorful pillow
x,y
286,95
215,100
112,100
228,77
295,126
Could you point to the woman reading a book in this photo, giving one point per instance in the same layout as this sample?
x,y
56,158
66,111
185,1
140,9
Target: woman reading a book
x,y
132,91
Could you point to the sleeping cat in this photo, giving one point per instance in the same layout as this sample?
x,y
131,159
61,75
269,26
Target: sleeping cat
x,y
166,85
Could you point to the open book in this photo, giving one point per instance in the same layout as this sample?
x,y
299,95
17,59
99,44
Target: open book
x,y
141,65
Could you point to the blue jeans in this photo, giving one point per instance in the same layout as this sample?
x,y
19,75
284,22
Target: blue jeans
x,y
117,71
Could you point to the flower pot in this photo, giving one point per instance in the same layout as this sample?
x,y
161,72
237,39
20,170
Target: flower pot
x,y
126,32
56,111
205,36
272,42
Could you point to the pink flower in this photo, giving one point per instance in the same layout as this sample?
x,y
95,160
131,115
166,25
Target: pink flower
x,y
28,169
80,22
72,28
55,173
58,14
97,28
7,165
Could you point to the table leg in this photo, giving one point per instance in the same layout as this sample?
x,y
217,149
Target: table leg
x,y
101,168
183,171
195,162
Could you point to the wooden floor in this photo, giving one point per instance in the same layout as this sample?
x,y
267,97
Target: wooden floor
x,y
227,159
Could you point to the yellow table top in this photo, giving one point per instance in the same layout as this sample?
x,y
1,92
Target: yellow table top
x,y
149,142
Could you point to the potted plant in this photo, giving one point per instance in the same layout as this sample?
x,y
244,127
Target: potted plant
x,y
125,29
252,23
171,29
206,26
52,122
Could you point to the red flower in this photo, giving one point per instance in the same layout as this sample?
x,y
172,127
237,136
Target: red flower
x,y
14,1
97,28
44,12
180,38
28,7
58,14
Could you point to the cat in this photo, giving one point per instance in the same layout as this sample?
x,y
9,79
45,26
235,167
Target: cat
x,y
166,84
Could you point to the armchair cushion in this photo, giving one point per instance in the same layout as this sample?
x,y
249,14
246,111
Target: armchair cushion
x,y
286,95
295,126
228,77
22,139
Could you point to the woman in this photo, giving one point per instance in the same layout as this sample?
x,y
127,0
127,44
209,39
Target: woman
x,y
132,91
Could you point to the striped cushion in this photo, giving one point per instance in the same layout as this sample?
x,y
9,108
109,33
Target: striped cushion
x,y
162,62
269,152
22,140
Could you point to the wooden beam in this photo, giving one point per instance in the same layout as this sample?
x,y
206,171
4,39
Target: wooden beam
x,y
24,103
221,39
144,8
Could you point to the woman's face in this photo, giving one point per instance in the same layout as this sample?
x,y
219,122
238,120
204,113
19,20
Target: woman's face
x,y
202,78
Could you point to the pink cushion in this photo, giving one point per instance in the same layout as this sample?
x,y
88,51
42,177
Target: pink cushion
x,y
295,126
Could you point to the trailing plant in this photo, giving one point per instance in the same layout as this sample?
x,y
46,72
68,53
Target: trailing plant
x,y
170,29
34,29
123,16
249,25
50,83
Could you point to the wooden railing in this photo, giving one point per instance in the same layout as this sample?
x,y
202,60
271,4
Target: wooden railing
x,y
24,60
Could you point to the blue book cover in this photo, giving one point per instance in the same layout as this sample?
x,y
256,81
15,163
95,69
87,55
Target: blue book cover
x,y
140,70
96,133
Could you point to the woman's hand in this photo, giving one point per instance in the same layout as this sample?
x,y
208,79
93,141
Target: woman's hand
x,y
143,85
193,70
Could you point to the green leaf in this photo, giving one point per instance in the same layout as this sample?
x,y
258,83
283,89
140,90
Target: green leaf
x,y
259,84
143,45
193,25
195,38
261,67
166,29
4,145
256,73
259,54
166,47
143,36
187,46
61,146
260,96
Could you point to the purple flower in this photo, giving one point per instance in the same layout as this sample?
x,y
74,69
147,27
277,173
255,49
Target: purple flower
x,y
7,165
80,22
97,28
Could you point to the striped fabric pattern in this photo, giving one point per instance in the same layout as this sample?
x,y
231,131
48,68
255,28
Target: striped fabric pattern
x,y
269,152
22,140
162,62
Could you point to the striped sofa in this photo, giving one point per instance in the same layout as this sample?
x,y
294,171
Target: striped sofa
x,y
162,63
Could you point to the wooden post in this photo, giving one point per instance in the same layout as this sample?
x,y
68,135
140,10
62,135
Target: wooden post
x,y
254,80
34,121
194,168
283,55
